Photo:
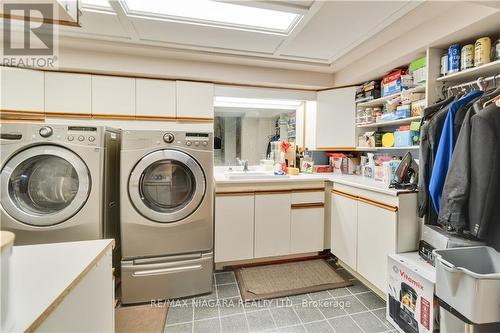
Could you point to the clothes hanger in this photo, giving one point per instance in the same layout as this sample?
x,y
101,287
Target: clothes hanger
x,y
491,96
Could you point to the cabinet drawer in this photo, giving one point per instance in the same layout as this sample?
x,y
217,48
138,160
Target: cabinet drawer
x,y
308,196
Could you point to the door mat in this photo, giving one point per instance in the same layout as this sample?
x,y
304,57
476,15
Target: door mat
x,y
140,318
292,278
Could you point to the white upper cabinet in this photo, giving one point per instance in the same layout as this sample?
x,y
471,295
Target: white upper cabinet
x,y
335,118
113,96
195,100
68,93
155,98
22,89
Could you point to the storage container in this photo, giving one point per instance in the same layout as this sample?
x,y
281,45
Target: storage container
x,y
468,279
402,138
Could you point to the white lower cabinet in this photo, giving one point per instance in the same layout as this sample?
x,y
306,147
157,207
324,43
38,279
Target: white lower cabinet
x,y
344,228
376,240
367,226
234,224
307,228
259,224
272,224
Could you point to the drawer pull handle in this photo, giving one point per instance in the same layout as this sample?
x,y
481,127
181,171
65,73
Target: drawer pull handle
x,y
308,205
378,204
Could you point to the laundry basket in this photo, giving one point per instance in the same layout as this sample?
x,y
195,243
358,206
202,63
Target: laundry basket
x,y
468,279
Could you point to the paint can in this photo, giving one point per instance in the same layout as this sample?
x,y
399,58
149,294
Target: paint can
x,y
467,57
453,58
482,50
444,64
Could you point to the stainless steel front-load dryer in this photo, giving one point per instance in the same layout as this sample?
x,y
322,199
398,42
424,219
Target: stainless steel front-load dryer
x,y
58,182
166,214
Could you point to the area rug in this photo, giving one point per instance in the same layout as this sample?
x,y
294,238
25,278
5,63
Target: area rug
x,y
140,318
286,279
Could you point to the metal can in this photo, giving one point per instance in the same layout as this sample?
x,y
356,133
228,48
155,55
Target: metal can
x,y
496,51
444,64
453,58
482,49
467,57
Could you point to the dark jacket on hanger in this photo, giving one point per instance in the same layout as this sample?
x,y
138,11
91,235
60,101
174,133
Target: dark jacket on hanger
x,y
471,196
430,132
445,148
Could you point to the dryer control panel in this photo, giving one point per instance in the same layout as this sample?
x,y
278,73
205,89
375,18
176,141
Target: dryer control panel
x,y
198,140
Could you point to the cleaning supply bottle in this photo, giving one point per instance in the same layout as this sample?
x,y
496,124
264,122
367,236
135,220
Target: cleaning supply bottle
x,y
369,168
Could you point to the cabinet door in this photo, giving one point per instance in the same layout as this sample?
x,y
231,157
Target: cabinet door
x,y
234,227
376,240
195,100
335,118
22,89
155,98
113,97
344,228
68,93
307,229
272,224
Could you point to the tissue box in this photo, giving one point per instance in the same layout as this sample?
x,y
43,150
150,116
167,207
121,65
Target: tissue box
x,y
395,82
403,138
420,75
402,111
417,108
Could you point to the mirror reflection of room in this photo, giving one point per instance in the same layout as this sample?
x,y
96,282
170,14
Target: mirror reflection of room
x,y
255,131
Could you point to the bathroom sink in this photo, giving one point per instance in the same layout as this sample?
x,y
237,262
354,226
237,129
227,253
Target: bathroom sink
x,y
253,175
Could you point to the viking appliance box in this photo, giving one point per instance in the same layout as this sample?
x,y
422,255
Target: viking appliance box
x,y
411,306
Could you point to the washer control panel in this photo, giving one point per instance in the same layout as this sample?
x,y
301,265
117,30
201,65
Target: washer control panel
x,y
189,139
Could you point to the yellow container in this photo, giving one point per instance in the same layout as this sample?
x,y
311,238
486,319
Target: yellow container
x,y
388,140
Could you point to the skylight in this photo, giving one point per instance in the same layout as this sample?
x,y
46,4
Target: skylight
x,y
222,14
96,4
256,103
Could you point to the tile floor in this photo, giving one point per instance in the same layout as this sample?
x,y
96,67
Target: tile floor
x,y
343,310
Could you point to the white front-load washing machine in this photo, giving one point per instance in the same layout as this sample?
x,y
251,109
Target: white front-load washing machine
x,y
59,183
166,215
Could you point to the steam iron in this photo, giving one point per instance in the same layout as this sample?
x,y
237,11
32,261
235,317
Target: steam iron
x,y
406,176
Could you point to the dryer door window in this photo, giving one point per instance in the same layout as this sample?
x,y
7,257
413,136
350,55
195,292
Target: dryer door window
x,y
167,186
44,185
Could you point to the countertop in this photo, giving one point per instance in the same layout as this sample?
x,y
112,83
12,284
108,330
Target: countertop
x,y
42,275
350,180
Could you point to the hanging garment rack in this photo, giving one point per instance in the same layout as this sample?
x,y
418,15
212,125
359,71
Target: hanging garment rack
x,y
477,83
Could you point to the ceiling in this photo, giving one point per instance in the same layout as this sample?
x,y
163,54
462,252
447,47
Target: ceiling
x,y
327,31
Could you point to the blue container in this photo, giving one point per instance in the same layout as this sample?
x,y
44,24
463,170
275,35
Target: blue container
x,y
403,138
453,58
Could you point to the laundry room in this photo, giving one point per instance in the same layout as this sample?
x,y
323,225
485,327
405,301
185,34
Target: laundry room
x,y
250,166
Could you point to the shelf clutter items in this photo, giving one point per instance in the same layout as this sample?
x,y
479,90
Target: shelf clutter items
x,y
462,57
397,99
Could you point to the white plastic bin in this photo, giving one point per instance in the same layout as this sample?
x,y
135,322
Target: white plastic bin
x,y
468,279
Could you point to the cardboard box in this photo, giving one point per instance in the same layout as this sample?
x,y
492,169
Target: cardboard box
x,y
411,305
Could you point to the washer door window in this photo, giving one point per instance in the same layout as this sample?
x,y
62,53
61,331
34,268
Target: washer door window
x,y
44,185
167,186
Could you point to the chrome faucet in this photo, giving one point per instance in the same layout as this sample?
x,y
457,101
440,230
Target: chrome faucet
x,y
244,163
